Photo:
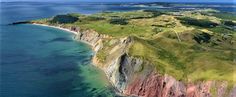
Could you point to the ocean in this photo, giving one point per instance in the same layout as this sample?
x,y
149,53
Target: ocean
x,y
39,61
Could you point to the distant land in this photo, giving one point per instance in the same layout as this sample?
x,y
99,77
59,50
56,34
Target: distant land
x,y
133,1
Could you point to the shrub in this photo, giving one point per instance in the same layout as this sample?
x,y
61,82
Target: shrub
x,y
197,22
202,37
229,23
64,19
119,21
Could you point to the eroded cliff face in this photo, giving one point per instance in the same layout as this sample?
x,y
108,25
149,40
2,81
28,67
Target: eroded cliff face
x,y
155,85
131,78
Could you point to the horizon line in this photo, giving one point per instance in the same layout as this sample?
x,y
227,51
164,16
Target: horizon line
x,y
116,2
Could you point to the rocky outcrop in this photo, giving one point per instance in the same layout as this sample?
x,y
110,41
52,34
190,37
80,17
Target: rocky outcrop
x,y
155,85
133,76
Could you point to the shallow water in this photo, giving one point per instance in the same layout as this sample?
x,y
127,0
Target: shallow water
x,y
39,61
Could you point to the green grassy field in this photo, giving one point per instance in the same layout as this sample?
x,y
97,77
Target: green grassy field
x,y
189,45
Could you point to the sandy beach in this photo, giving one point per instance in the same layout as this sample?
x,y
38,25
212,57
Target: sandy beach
x,y
67,30
57,28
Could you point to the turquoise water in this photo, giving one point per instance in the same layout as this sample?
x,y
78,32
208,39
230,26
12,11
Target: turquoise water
x,y
39,61
46,62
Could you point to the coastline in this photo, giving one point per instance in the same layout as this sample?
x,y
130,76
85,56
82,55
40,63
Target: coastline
x,y
67,30
117,92
64,29
114,87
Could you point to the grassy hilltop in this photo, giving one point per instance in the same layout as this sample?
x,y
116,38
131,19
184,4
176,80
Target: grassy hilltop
x,y
189,45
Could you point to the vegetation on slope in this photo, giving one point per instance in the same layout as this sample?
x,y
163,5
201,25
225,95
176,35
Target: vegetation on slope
x,y
189,45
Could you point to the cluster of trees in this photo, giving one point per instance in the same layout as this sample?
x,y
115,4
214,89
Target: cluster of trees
x,y
64,19
229,23
119,21
197,22
202,37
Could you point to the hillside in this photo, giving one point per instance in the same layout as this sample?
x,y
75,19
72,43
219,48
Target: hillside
x,y
191,46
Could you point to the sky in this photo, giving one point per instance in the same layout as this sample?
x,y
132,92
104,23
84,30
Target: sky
x,y
227,1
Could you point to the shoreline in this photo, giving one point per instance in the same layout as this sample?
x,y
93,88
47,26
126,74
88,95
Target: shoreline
x,y
113,86
117,92
64,29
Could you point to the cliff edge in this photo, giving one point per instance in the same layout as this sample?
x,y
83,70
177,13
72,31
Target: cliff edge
x,y
160,54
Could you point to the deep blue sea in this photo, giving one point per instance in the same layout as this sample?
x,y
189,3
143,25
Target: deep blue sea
x,y
40,61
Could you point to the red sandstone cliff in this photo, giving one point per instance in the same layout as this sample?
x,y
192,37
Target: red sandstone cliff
x,y
155,85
